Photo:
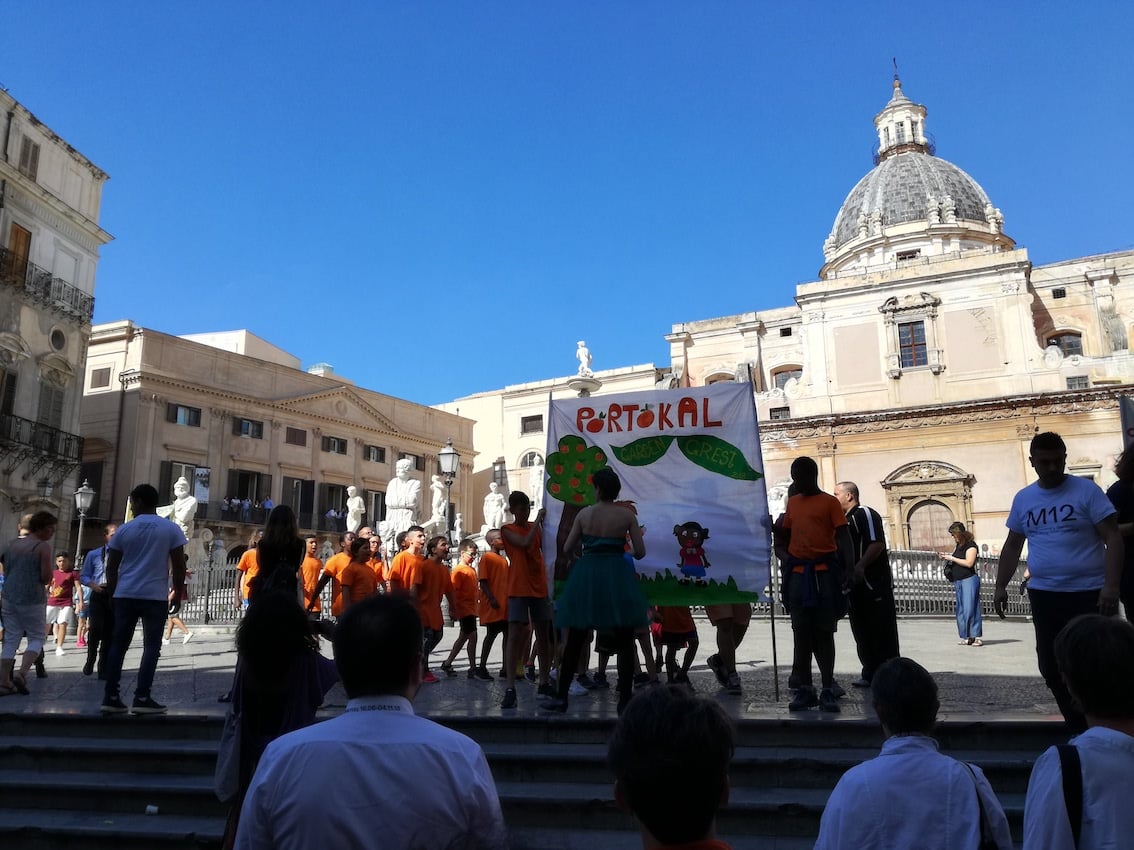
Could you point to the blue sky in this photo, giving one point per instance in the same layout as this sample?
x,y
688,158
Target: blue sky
x,y
440,198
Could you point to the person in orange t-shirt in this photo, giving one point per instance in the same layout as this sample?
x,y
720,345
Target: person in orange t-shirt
x,y
527,593
377,565
357,577
678,630
332,570
818,546
248,568
493,570
431,582
310,570
464,581
402,575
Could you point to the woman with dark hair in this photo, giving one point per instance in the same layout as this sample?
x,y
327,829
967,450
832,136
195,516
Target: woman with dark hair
x,y
281,680
279,554
966,585
1121,495
602,592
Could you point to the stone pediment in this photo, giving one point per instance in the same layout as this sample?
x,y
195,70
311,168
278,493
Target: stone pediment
x,y
921,471
13,349
339,404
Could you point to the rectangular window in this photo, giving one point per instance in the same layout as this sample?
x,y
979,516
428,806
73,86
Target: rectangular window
x,y
335,445
29,159
374,454
785,331
251,428
418,461
531,424
1059,292
784,375
778,414
908,256
295,436
1078,382
7,391
100,378
182,415
50,406
911,344
900,129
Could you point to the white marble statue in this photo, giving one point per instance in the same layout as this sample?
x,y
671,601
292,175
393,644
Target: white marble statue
x,y
437,499
494,505
536,484
402,495
458,527
183,509
583,354
355,508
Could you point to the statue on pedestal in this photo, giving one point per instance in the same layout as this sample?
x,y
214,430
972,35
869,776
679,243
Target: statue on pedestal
x,y
536,484
437,499
402,494
183,509
494,505
355,508
584,356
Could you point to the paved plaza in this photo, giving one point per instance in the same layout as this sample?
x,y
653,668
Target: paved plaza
x,y
998,680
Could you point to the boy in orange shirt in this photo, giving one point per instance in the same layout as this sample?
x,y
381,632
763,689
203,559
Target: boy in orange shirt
x,y
678,630
310,569
493,610
357,577
464,581
527,593
431,582
403,567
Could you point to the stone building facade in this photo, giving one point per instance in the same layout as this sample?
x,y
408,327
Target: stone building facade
x,y
238,418
50,196
924,357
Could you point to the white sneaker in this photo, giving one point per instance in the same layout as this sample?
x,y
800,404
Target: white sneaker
x,y
185,639
577,690
165,641
58,650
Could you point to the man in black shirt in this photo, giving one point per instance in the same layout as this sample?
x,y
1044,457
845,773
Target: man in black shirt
x,y
873,616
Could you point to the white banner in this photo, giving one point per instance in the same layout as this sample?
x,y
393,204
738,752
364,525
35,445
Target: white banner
x,y
689,460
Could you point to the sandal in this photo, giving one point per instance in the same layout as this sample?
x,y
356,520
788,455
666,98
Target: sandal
x,y
977,642
965,642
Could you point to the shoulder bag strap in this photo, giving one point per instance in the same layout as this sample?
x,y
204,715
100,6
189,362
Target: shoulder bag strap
x,y
1071,767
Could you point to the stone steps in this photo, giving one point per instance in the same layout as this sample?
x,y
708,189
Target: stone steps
x,y
551,774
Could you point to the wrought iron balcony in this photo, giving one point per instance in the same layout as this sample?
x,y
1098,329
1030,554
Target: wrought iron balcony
x,y
52,292
20,438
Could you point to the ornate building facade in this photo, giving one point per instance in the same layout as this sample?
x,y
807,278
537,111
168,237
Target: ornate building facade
x,y
928,352
50,196
240,420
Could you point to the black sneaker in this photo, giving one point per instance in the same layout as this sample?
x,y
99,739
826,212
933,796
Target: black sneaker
x,y
483,674
600,681
586,681
509,698
146,706
828,701
838,690
732,685
113,705
448,670
861,682
503,673
529,673
804,699
548,690
559,706
88,668
717,666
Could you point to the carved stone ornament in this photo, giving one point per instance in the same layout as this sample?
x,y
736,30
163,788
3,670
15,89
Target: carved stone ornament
x,y
13,349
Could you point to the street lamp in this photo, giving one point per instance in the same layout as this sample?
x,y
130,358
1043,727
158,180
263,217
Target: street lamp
x,y
84,498
449,460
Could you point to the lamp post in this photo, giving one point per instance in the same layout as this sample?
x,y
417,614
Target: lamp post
x,y
449,460
84,498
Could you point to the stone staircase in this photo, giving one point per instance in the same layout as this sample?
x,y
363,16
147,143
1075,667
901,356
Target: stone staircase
x,y
76,780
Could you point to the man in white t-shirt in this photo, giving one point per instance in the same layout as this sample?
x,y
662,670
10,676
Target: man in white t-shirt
x,y
144,560
1075,555
399,780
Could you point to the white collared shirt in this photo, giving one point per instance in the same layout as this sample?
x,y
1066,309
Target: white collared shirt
x,y
376,776
910,796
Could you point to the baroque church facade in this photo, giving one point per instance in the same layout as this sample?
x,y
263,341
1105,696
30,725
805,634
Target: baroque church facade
x,y
924,358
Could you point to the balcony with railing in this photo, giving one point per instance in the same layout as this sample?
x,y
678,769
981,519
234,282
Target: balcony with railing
x,y
21,437
44,288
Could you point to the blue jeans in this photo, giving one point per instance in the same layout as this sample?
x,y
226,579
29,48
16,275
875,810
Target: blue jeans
x,y
968,607
127,612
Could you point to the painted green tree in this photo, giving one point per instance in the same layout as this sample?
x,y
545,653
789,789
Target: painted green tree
x,y
570,474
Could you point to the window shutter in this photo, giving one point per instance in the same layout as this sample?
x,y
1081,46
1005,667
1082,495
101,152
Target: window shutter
x,y
264,487
307,496
170,412
50,406
7,392
233,485
165,480
236,426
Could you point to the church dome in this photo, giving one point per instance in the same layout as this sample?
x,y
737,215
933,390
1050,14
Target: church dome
x,y
912,205
899,187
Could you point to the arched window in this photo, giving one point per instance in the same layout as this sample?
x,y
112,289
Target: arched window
x,y
719,378
782,374
1068,342
530,459
929,523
